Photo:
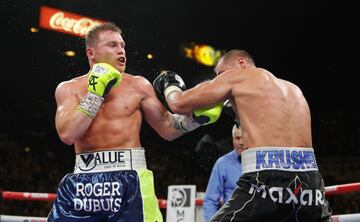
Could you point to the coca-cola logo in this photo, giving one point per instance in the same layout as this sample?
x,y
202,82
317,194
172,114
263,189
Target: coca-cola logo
x,y
77,26
67,22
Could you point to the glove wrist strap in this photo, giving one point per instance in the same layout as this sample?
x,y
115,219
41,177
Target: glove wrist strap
x,y
170,90
90,104
186,123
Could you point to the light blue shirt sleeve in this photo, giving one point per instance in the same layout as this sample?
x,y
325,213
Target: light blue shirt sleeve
x,y
214,192
222,182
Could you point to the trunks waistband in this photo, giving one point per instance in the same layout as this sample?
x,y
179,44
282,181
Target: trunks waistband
x,y
110,160
295,159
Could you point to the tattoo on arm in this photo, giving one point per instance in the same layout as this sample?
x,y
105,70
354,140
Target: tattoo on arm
x,y
184,123
176,123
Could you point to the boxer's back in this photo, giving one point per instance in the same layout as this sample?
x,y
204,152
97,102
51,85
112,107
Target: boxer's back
x,y
272,111
276,123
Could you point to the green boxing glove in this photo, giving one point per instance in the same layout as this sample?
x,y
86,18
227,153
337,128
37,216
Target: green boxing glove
x,y
200,117
102,78
207,116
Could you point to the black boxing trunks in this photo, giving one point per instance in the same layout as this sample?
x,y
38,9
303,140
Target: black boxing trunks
x,y
109,186
277,184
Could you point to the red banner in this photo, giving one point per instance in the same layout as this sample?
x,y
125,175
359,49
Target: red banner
x,y
66,22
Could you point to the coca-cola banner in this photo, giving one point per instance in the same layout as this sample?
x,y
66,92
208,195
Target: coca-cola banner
x,y
66,22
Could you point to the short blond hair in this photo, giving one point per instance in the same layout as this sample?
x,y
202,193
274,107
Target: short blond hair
x,y
93,35
228,56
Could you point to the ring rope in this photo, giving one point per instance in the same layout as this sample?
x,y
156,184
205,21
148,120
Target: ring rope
x,y
11,218
11,195
32,196
341,189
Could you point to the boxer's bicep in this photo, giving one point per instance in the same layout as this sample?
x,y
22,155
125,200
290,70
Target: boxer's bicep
x,y
65,99
69,122
211,92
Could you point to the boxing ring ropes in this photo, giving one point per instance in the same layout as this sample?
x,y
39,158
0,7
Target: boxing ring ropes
x,y
26,196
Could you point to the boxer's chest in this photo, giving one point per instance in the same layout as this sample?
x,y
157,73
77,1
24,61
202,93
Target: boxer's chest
x,y
123,100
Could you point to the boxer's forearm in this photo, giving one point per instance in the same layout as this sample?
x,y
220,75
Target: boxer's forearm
x,y
72,126
174,101
185,102
168,129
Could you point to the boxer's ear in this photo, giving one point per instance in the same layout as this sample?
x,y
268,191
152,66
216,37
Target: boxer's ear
x,y
241,61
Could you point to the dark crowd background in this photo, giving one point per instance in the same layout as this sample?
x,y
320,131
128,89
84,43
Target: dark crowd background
x,y
312,44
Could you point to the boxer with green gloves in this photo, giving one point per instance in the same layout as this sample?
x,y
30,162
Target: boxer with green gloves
x,y
102,121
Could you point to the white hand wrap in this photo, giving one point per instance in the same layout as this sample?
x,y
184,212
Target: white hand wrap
x,y
90,104
170,90
186,123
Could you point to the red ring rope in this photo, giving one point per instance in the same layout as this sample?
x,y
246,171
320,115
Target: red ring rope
x,y
343,188
10,195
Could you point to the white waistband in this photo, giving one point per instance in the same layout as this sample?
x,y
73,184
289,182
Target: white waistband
x,y
296,159
110,160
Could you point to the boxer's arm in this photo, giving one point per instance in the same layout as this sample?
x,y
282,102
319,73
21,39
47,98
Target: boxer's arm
x,y
70,123
74,116
204,94
158,117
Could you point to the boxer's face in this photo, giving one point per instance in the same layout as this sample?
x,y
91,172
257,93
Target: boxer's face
x,y
110,48
238,143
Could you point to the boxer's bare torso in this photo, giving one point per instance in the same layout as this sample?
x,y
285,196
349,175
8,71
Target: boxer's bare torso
x,y
272,112
118,122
